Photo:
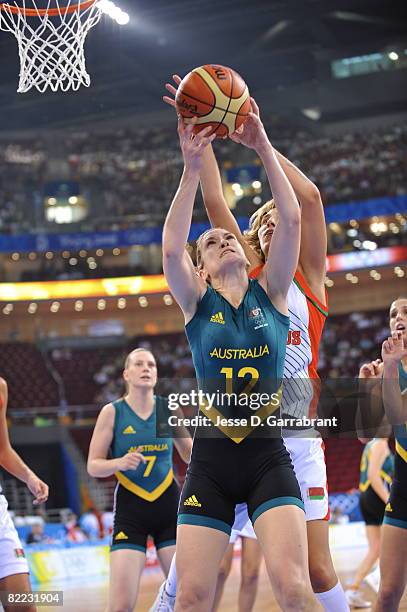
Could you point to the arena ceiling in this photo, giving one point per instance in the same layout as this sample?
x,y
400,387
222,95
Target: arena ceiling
x,y
279,46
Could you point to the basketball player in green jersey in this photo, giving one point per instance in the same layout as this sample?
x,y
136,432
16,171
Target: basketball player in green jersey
x,y
237,329
376,473
146,496
391,386
393,557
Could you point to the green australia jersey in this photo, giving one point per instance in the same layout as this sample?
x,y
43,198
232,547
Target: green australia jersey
x,y
150,479
386,470
238,354
400,432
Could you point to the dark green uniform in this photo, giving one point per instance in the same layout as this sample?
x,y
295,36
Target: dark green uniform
x,y
396,509
146,498
371,505
238,354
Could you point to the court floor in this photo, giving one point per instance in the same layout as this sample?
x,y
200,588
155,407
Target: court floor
x,y
91,596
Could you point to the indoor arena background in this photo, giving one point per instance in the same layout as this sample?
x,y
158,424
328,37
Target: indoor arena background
x,y
86,179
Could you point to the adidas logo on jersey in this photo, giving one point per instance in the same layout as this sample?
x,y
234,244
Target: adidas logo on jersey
x,y
388,508
192,501
217,318
129,430
121,536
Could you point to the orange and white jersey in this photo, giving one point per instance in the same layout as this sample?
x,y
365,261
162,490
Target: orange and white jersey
x,y
307,319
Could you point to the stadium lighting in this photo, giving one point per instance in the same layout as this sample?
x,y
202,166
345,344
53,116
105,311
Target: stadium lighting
x,y
369,245
168,299
256,185
32,308
101,304
121,303
114,12
393,56
15,256
78,305
257,200
143,301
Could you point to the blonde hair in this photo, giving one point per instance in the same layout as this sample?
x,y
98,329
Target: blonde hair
x,y
136,350
251,235
198,248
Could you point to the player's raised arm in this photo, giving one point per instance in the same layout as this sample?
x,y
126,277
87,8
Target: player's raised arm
x,y
283,254
179,270
394,349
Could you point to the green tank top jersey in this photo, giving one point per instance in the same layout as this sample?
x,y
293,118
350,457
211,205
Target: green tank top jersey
x,y
386,471
150,479
238,354
400,432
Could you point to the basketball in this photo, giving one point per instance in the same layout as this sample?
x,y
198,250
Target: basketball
x,y
217,96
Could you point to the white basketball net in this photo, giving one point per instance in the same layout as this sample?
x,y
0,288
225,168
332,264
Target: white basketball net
x,y
51,49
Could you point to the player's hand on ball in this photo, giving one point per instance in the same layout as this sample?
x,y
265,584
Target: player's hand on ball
x,y
38,488
394,348
172,90
252,133
193,145
131,460
372,370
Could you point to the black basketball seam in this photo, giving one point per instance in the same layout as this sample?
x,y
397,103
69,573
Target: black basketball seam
x,y
206,84
225,113
182,91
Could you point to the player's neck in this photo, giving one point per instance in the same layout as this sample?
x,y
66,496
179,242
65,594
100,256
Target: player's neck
x,y
232,285
141,400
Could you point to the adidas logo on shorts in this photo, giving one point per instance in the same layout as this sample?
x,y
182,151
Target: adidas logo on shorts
x,y
192,501
388,508
217,318
121,536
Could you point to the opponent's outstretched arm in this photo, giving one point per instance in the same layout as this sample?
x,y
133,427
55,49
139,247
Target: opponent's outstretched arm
x,y
284,249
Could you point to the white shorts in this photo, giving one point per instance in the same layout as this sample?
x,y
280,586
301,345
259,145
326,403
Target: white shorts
x,y
307,455
12,558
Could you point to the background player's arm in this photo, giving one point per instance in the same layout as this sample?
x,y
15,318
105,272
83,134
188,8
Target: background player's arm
x,y
98,464
186,286
378,454
11,461
282,259
395,402
182,439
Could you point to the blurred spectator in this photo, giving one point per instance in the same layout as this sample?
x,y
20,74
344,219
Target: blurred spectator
x,y
91,524
73,532
37,535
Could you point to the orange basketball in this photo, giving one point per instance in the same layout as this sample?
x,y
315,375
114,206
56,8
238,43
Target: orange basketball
x,y
217,96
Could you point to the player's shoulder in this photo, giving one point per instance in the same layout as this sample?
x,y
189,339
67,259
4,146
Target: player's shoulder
x,y
107,414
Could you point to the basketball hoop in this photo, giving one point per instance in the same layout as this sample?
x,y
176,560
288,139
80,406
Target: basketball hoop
x,y
50,41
